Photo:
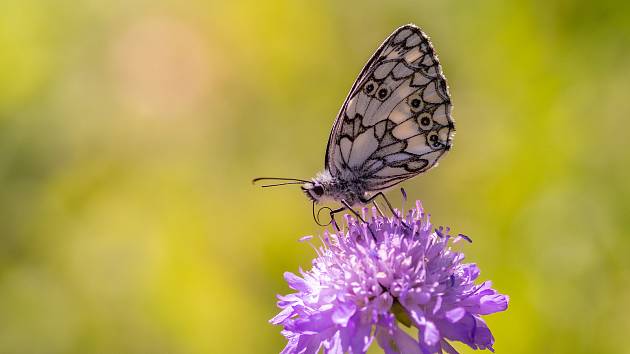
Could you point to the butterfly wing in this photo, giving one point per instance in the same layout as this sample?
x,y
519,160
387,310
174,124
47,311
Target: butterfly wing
x,y
396,121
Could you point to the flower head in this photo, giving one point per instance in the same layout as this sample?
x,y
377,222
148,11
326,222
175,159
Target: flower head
x,y
372,279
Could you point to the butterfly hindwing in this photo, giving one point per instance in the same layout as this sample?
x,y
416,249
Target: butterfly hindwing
x,y
396,121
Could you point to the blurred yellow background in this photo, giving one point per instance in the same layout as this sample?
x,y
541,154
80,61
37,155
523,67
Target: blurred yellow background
x,y
130,131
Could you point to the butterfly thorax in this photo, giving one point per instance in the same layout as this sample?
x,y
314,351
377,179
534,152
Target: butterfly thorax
x,y
325,187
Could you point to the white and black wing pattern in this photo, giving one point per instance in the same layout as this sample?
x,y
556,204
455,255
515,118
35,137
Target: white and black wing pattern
x,y
396,121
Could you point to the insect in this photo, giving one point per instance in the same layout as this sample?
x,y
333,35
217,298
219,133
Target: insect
x,y
395,124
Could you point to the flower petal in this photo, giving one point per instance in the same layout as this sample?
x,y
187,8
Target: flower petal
x,y
421,297
361,340
386,341
397,342
438,305
314,323
383,302
343,312
283,315
431,335
334,345
406,344
295,282
493,303
455,314
470,330
486,300
292,344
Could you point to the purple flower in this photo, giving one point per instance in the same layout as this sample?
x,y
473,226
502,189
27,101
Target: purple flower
x,y
367,283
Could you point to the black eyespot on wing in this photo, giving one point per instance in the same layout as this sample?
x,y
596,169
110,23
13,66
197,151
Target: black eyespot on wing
x,y
383,93
370,87
415,102
433,140
425,121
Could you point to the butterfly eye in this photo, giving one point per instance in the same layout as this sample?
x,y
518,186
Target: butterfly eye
x,y
433,140
370,87
415,102
383,93
424,121
318,190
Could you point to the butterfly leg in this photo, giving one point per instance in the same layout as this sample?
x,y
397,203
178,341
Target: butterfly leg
x,y
389,205
349,207
377,208
332,216
372,198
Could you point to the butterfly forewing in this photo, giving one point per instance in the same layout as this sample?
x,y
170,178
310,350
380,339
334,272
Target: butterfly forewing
x,y
396,121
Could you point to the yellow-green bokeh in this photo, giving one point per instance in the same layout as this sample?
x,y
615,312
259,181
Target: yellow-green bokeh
x,y
130,131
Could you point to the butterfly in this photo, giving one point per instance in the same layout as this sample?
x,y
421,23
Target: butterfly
x,y
395,123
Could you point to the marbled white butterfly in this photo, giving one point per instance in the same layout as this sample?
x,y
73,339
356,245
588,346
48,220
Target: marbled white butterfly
x,y
395,124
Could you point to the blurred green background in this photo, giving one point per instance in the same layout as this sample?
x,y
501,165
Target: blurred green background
x,y
130,131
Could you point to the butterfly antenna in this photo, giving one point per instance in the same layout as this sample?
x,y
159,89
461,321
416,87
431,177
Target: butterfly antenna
x,y
287,181
295,180
280,184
